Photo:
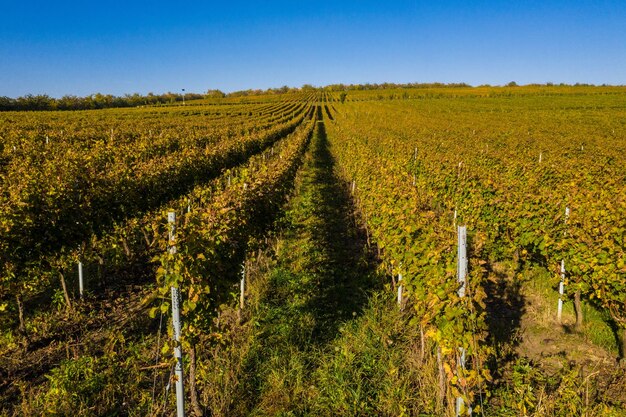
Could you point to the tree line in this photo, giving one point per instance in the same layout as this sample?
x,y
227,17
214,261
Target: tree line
x,y
94,101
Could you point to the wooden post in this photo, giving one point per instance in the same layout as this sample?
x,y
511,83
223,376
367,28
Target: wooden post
x,y
20,312
442,377
65,292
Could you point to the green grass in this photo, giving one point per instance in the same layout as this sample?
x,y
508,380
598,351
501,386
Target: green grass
x,y
597,323
322,281
322,337
330,340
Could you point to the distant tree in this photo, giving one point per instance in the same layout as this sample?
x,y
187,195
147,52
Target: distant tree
x,y
214,94
6,103
512,84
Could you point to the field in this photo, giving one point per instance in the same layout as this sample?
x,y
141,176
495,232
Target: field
x,y
318,247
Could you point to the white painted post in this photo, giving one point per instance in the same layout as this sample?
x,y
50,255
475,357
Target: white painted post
x,y
540,157
459,405
559,309
415,154
80,279
462,279
229,179
176,324
400,290
178,353
459,400
242,286
353,186
462,260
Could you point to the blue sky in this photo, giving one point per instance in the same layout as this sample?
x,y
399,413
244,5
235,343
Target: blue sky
x,y
117,47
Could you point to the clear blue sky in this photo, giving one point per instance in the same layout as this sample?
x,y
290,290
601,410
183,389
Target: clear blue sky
x,y
117,47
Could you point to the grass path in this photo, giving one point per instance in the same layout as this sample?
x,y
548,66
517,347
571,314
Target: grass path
x,y
321,335
322,280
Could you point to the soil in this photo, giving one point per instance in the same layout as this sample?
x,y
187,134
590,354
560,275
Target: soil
x,y
523,324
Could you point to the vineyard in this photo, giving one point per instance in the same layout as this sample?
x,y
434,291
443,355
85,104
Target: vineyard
x,y
398,252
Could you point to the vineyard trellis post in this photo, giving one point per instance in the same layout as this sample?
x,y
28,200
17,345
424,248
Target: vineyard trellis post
x,y
462,259
176,324
460,403
242,285
462,280
80,279
400,290
559,310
